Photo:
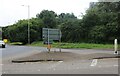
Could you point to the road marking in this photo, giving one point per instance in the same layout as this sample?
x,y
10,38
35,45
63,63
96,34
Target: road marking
x,y
94,62
2,49
99,66
54,65
60,61
39,70
1,64
115,65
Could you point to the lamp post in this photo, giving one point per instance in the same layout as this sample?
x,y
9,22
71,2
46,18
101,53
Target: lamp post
x,y
28,22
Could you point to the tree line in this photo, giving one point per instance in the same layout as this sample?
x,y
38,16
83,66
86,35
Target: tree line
x,y
100,24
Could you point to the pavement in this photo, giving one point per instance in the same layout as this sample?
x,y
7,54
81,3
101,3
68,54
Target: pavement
x,y
36,60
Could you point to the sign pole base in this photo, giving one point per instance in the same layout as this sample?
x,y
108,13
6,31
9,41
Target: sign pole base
x,y
48,47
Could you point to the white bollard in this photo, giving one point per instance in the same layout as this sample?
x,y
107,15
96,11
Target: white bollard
x,y
115,47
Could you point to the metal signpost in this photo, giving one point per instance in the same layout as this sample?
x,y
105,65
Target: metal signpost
x,y
51,34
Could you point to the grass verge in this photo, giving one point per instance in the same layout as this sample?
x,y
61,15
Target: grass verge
x,y
16,43
76,45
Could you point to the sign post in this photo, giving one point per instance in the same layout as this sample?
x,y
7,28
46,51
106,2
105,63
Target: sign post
x,y
48,46
60,41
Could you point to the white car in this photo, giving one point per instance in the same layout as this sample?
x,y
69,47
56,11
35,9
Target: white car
x,y
2,44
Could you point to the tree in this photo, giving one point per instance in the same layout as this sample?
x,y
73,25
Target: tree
x,y
102,19
71,31
19,32
64,17
36,29
49,18
100,24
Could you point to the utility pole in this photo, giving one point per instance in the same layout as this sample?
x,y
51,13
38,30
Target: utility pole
x,y
28,6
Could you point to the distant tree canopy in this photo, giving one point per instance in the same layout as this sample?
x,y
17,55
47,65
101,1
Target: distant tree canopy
x,y
48,17
100,24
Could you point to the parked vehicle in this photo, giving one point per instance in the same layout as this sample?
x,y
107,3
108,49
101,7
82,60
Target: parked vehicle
x,y
2,43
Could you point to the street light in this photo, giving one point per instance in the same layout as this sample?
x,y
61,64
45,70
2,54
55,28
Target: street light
x,y
28,22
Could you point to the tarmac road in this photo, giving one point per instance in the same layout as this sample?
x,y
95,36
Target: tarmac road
x,y
78,66
18,51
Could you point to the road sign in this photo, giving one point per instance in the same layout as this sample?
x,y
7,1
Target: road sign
x,y
49,35
54,34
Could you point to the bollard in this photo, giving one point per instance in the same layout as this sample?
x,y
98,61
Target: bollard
x,y
115,47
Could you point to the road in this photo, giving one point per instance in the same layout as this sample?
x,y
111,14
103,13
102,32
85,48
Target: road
x,y
13,51
78,66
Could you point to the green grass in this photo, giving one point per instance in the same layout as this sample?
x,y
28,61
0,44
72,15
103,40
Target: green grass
x,y
76,45
16,43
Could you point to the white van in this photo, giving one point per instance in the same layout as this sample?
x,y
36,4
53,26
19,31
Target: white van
x,y
2,44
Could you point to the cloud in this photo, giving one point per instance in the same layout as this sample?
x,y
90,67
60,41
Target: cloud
x,y
12,10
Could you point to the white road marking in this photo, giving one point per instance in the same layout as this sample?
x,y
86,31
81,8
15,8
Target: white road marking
x,y
60,61
54,65
0,73
39,70
115,65
94,62
2,49
99,66
1,64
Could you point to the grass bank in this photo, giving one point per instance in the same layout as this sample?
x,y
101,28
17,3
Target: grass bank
x,y
15,43
76,45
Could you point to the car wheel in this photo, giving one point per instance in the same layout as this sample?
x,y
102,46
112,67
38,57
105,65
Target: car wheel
x,y
3,46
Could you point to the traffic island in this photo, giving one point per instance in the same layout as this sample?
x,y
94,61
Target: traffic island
x,y
62,56
46,57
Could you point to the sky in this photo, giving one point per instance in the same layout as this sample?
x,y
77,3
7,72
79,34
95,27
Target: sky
x,y
12,10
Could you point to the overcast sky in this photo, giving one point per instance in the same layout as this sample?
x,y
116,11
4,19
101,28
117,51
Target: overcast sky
x,y
12,10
